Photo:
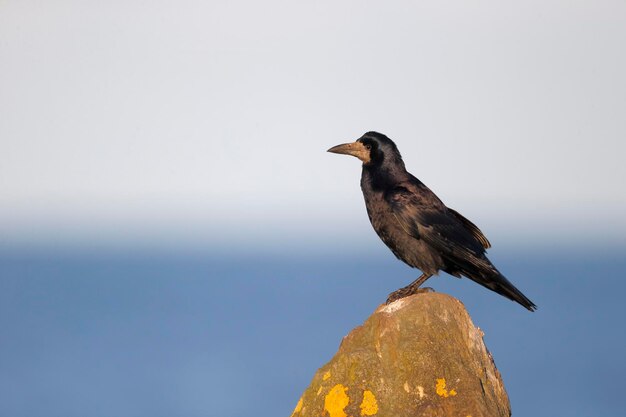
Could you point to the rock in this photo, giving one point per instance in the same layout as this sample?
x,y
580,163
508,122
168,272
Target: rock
x,y
418,356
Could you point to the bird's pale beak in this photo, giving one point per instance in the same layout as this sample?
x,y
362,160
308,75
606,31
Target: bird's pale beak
x,y
355,149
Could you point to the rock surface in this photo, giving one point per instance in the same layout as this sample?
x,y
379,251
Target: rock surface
x,y
418,356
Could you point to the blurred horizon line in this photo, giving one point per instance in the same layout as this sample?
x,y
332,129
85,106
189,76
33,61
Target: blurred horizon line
x,y
305,229
350,244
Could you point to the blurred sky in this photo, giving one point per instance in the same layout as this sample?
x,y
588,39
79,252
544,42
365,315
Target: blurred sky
x,y
195,121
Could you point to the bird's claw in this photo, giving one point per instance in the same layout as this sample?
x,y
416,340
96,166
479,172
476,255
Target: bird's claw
x,y
405,292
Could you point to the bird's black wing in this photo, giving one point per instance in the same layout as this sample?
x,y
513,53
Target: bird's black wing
x,y
473,229
422,215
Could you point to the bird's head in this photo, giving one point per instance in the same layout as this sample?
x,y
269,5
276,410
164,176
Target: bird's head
x,y
373,148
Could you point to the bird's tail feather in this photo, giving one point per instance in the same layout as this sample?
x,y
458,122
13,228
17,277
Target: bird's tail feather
x,y
497,282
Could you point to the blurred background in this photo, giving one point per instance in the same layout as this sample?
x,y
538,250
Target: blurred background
x,y
174,239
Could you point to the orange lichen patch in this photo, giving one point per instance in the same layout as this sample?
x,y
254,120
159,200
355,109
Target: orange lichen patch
x,y
369,405
326,375
441,389
336,400
298,407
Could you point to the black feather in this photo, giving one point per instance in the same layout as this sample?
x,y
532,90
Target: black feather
x,y
419,229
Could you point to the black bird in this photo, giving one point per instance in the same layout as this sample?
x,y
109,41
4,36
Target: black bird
x,y
418,228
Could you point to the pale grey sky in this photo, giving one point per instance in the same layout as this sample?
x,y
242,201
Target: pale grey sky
x,y
187,119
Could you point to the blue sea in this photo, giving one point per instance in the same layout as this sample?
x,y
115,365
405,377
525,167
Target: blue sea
x,y
151,333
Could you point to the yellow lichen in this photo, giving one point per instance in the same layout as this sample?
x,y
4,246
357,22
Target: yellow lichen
x,y
336,400
441,389
369,405
298,407
326,375
319,391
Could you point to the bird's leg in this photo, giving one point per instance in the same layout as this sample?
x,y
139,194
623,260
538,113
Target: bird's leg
x,y
412,288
